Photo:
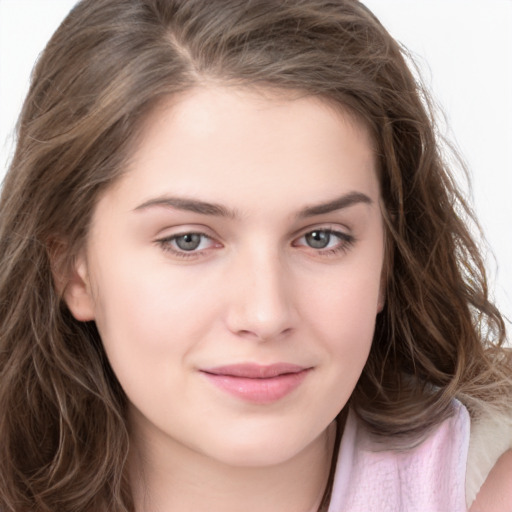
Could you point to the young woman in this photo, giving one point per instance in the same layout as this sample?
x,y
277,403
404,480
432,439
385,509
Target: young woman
x,y
236,274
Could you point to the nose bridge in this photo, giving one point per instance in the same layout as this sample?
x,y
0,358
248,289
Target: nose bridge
x,y
261,300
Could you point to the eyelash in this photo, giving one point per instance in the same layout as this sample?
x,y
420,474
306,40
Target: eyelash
x,y
345,243
167,244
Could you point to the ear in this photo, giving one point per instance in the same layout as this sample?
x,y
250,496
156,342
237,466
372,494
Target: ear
x,y
72,282
387,265
382,298
381,301
77,292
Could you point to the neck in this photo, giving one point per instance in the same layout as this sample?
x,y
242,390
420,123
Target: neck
x,y
179,479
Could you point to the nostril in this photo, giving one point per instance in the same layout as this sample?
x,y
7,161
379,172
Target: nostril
x,y
260,308
262,335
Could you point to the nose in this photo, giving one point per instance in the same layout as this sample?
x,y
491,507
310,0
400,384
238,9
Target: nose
x,y
261,297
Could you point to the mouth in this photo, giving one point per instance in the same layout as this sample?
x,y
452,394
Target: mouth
x,y
258,384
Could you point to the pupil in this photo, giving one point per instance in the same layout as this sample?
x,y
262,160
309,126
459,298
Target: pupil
x,y
318,239
188,242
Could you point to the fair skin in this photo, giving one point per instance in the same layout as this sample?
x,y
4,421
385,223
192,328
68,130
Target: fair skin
x,y
164,318
495,494
247,230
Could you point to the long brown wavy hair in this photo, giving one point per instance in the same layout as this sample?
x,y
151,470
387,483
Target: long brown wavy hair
x,y
64,438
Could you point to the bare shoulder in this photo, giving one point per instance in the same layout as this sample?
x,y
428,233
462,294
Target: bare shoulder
x,y
495,494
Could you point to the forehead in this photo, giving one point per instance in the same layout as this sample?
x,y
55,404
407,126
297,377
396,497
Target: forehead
x,y
230,141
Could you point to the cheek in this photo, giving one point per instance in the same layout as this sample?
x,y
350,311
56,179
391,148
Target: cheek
x,y
343,320
149,317
149,329
343,311
347,301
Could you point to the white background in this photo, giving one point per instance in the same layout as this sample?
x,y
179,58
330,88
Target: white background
x,y
464,48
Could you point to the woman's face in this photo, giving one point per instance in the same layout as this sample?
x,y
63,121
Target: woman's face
x,y
234,273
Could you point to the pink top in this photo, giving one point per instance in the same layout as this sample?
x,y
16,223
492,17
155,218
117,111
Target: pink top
x,y
427,478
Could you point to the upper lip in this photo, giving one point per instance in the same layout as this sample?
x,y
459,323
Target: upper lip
x,y
255,371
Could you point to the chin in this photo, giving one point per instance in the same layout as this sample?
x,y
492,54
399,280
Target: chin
x,y
261,451
256,456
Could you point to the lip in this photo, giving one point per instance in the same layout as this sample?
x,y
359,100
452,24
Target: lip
x,y
258,384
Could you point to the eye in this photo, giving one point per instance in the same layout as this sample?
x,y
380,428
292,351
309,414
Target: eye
x,y
319,239
325,240
188,241
187,244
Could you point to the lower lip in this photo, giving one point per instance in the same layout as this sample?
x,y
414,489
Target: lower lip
x,y
259,391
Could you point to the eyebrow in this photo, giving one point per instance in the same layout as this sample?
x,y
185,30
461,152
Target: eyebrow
x,y
217,210
189,205
344,201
